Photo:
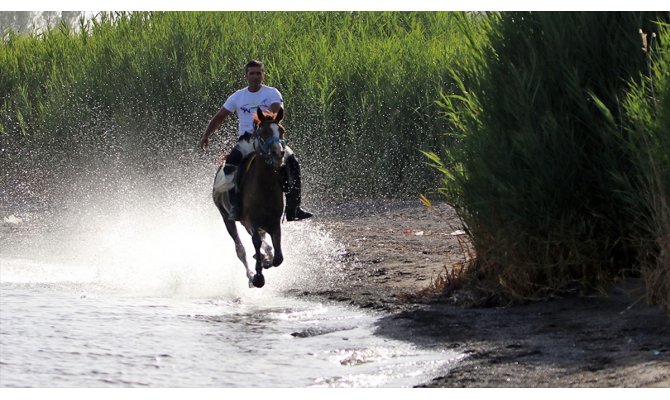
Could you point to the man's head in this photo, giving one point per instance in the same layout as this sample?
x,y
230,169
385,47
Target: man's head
x,y
253,63
254,72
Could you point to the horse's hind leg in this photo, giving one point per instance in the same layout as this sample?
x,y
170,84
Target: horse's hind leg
x,y
231,227
276,243
239,247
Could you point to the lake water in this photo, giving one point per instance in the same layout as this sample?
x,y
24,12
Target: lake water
x,y
131,297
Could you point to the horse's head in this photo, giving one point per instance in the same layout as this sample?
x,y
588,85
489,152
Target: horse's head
x,y
270,136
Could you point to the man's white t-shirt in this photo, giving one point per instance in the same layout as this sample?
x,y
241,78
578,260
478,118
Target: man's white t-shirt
x,y
245,103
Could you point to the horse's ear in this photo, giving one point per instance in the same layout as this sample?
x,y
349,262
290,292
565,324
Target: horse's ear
x,y
280,114
259,114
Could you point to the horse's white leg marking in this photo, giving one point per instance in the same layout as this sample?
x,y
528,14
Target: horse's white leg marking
x,y
267,249
242,255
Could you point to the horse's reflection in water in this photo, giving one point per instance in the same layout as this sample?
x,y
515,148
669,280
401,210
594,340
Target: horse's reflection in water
x,y
262,197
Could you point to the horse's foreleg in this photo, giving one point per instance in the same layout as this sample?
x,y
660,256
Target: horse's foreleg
x,y
257,240
267,252
258,279
267,249
276,243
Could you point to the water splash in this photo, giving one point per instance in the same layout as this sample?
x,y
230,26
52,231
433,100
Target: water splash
x,y
150,238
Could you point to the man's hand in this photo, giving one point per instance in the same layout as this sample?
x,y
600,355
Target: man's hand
x,y
204,142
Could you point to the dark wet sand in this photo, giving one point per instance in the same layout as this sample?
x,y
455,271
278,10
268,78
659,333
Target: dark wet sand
x,y
395,249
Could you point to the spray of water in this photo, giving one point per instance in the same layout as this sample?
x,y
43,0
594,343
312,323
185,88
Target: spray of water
x,y
124,230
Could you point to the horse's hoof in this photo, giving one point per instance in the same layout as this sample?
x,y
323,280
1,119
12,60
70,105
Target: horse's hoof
x,y
267,263
258,281
277,260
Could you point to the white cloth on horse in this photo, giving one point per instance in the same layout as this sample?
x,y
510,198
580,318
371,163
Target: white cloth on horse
x,y
224,182
287,153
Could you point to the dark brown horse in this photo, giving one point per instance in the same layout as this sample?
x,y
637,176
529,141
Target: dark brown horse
x,y
262,197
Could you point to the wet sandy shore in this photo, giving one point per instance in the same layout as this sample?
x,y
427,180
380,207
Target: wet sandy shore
x,y
396,249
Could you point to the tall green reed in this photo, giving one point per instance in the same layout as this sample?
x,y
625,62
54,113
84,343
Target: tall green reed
x,y
647,106
536,167
359,87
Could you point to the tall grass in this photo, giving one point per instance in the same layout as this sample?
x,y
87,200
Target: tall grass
x,y
540,167
648,107
359,88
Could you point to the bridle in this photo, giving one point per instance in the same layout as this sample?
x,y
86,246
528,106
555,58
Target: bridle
x,y
265,144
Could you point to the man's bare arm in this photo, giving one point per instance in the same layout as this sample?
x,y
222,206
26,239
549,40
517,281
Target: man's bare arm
x,y
214,124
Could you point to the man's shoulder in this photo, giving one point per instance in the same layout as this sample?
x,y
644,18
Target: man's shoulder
x,y
274,93
269,88
239,92
236,94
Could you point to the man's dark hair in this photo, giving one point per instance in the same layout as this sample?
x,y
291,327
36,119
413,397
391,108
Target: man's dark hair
x,y
253,63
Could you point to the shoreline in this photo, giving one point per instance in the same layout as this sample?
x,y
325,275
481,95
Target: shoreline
x,y
396,249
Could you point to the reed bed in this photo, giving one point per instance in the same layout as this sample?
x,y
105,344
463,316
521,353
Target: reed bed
x,y
541,171
647,106
359,87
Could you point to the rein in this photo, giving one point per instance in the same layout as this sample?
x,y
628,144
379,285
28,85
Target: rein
x,y
250,162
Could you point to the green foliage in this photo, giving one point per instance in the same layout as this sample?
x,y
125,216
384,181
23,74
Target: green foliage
x,y
539,165
647,107
359,87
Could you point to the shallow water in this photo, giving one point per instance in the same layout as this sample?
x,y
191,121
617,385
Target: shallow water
x,y
129,296
55,337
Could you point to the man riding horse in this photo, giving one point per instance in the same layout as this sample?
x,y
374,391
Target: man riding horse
x,y
245,103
